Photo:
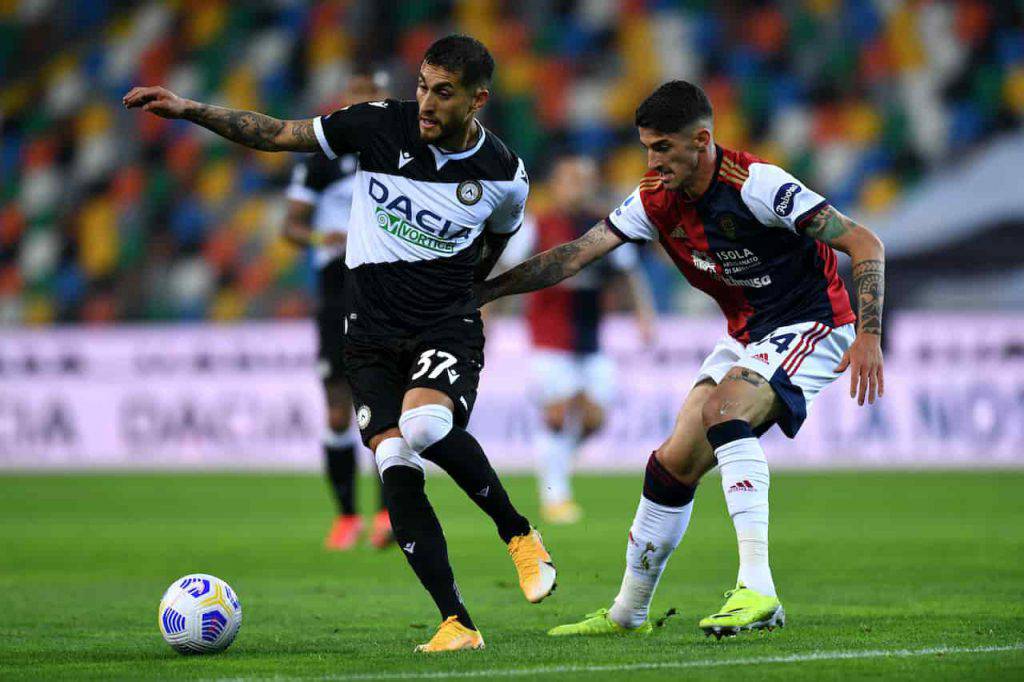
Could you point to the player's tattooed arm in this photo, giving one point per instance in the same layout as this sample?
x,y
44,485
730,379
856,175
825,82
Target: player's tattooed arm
x,y
828,225
249,128
255,130
552,266
868,255
864,356
869,281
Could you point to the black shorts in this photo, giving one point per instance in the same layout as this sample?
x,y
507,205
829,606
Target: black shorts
x,y
330,322
447,357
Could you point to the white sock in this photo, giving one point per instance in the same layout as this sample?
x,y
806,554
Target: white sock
x,y
745,482
656,532
338,439
554,452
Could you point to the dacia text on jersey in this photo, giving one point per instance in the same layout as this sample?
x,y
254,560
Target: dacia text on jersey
x,y
397,216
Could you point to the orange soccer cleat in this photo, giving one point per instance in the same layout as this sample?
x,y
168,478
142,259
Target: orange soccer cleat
x,y
452,636
344,533
381,536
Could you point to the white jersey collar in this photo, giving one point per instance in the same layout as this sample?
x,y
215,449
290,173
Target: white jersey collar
x,y
442,157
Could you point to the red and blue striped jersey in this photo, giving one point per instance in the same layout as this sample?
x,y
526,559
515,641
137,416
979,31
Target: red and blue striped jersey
x,y
568,315
742,243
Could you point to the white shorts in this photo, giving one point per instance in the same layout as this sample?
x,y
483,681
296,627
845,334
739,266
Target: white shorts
x,y
798,360
559,375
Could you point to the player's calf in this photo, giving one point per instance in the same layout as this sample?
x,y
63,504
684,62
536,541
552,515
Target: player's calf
x,y
430,431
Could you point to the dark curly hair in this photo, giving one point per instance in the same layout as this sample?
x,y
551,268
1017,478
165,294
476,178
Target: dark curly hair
x,y
672,107
463,55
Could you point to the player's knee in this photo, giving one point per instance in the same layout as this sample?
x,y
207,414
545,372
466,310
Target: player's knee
x,y
721,407
554,417
593,421
425,425
390,451
339,418
685,465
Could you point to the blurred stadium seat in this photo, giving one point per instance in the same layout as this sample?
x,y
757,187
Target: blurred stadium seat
x,y
106,215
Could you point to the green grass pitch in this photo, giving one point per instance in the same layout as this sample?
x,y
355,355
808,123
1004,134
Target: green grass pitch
x,y
884,575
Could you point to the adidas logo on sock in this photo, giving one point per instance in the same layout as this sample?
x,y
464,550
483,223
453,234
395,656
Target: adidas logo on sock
x,y
409,547
743,486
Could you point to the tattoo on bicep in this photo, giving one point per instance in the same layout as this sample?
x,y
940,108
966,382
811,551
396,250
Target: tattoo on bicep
x,y
828,224
752,378
250,128
304,134
869,281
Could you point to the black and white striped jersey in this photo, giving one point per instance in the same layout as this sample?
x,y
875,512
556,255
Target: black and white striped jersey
x,y
326,184
417,215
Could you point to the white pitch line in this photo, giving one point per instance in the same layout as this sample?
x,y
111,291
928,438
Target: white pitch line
x,y
669,665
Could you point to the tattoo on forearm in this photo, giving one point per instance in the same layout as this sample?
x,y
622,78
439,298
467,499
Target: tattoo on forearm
x,y
303,132
752,378
250,128
545,269
869,281
828,224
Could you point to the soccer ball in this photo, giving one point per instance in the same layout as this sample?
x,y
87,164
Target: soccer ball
x,y
199,614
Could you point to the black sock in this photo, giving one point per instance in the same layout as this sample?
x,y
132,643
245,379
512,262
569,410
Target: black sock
x,y
419,534
341,471
382,503
461,456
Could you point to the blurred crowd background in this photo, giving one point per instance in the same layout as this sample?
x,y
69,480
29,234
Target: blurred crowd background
x,y
906,115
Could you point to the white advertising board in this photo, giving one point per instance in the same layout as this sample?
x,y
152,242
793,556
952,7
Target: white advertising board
x,y
247,397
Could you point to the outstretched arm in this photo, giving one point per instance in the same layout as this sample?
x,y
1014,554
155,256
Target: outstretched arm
x,y
248,128
552,266
864,357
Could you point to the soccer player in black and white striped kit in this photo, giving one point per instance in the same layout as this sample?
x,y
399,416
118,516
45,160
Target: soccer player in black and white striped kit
x,y
319,204
437,197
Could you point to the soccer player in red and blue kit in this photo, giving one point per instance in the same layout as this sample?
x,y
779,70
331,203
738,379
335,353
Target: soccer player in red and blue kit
x,y
760,243
573,381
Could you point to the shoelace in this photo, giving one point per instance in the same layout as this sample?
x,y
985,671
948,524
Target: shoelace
x,y
524,556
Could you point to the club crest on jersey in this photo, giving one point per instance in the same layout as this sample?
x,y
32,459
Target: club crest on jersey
x,y
703,261
785,198
469,192
728,226
363,416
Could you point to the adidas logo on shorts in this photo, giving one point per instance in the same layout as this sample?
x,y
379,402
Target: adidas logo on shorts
x,y
743,486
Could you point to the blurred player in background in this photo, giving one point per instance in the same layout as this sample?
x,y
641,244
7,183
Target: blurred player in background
x,y
437,198
760,243
572,379
319,200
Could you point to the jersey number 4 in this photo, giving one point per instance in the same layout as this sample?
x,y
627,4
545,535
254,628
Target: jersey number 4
x,y
440,360
782,341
